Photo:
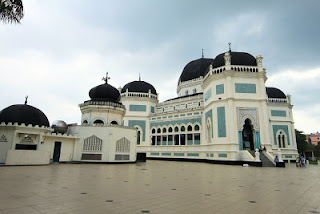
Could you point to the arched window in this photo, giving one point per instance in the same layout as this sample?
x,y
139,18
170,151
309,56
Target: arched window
x,y
158,130
98,123
183,128
170,129
138,137
176,129
282,140
85,122
153,131
189,128
114,122
196,128
194,90
164,130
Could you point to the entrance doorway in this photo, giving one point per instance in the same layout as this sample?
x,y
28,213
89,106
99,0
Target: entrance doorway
x,y
56,152
247,135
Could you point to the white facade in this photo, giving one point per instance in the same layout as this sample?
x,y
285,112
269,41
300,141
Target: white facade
x,y
224,115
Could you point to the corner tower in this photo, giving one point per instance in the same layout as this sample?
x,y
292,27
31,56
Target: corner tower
x,y
140,99
104,107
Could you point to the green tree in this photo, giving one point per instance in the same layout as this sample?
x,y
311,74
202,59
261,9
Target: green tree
x,y
301,141
11,11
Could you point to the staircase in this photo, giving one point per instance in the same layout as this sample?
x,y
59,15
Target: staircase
x,y
264,160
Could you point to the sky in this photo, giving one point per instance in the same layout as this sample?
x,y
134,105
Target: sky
x,y
63,48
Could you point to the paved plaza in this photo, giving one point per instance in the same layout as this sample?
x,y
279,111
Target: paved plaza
x,y
158,187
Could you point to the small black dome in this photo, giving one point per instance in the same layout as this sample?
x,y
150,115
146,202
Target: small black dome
x,y
195,69
24,114
104,92
237,58
139,86
275,93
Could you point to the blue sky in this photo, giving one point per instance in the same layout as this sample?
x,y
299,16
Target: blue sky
x,y
62,49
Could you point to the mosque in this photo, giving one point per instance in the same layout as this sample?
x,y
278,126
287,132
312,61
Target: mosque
x,y
223,113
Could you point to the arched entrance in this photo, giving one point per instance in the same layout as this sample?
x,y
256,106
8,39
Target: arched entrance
x,y
247,135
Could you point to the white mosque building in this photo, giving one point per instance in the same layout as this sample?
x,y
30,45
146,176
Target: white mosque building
x,y
223,113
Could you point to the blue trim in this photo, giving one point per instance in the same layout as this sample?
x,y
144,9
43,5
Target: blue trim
x,y
98,118
176,122
245,88
278,113
257,139
208,95
138,108
240,140
142,125
220,89
276,128
221,114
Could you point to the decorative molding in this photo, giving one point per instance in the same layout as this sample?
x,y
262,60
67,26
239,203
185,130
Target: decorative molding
x,y
123,145
3,139
26,140
248,113
92,143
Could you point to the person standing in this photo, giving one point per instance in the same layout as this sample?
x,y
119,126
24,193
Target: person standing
x,y
276,159
297,161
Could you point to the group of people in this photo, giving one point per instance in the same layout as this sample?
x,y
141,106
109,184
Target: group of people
x,y
300,161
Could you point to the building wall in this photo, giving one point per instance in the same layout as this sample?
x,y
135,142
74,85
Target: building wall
x,y
99,143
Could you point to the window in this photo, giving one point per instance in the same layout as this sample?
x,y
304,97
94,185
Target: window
x,y
164,130
170,129
92,143
98,123
85,122
153,131
183,128
281,140
123,145
158,130
176,129
189,128
138,137
194,90
187,92
196,128
114,122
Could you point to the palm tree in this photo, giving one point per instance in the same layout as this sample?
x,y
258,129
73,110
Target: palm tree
x,y
11,11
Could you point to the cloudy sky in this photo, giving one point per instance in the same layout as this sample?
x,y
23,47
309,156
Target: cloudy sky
x,y
63,48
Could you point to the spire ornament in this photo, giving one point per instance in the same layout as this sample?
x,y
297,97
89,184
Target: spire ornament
x,y
229,46
26,101
106,78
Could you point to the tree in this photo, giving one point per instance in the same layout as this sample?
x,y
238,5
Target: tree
x,y
11,11
301,141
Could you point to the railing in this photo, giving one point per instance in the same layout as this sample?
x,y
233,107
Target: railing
x,y
101,103
277,100
136,94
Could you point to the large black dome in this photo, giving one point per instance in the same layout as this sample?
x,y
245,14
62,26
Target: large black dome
x,y
104,92
275,93
24,114
139,86
237,58
195,69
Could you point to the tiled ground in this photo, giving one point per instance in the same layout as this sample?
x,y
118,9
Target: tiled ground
x,y
158,187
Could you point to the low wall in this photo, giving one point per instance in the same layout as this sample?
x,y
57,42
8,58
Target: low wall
x,y
24,157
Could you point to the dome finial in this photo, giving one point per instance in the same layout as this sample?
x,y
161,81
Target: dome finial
x,y
106,78
229,46
139,77
26,101
202,53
